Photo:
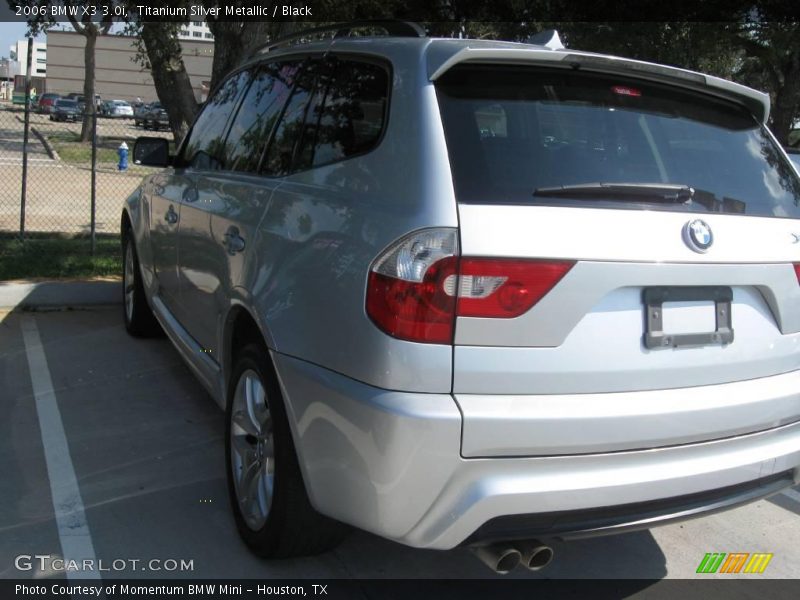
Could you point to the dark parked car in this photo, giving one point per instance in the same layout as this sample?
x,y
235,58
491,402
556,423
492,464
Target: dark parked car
x,y
66,110
155,116
47,102
139,110
81,100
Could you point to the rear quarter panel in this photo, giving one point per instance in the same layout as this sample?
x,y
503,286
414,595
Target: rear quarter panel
x,y
323,229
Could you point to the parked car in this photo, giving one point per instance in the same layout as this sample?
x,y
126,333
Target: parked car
x,y
139,110
81,100
66,110
585,322
155,117
116,108
47,102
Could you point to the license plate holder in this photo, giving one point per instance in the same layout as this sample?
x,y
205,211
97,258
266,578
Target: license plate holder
x,y
654,299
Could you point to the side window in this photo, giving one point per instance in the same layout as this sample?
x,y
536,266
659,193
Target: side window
x,y
258,114
205,148
282,145
349,113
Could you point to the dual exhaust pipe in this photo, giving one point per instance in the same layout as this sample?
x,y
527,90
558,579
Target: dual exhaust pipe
x,y
503,558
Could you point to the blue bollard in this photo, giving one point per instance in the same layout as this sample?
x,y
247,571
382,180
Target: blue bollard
x,y
122,151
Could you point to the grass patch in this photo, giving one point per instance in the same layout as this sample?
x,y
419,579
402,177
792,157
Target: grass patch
x,y
82,153
63,136
59,256
72,151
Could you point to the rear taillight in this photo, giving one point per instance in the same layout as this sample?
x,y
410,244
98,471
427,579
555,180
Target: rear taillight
x,y
405,294
797,271
505,288
419,285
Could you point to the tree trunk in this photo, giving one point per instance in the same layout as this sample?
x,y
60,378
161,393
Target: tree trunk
x,y
232,39
90,33
169,74
785,105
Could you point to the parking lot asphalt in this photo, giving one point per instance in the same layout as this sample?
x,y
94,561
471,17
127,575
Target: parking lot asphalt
x,y
145,444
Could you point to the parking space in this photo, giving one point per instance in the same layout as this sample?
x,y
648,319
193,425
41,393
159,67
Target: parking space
x,y
146,447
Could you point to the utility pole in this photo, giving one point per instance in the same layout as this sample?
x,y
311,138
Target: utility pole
x,y
29,60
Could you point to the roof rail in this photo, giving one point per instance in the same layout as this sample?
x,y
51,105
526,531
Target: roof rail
x,y
392,28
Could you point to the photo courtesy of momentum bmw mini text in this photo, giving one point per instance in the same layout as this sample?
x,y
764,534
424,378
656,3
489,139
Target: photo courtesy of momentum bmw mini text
x,y
354,300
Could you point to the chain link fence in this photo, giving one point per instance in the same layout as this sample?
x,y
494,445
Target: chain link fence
x,y
60,207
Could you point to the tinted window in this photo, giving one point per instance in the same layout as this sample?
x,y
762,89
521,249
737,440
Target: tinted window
x,y
348,113
205,148
513,130
795,158
258,114
281,147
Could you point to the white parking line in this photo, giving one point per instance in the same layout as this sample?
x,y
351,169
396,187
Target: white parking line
x,y
73,530
793,494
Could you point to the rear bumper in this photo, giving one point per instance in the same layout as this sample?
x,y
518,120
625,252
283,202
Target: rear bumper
x,y
557,424
607,520
390,463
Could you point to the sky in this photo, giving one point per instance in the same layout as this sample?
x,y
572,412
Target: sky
x,y
11,32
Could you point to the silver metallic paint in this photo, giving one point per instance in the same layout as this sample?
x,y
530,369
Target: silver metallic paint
x,y
377,431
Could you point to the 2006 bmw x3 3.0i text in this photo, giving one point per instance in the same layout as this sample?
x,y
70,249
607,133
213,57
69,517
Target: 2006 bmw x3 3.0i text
x,y
460,292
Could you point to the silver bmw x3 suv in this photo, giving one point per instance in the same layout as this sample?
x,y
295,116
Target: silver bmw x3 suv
x,y
460,292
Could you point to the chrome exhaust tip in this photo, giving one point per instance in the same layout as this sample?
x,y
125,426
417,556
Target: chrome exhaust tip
x,y
535,555
500,558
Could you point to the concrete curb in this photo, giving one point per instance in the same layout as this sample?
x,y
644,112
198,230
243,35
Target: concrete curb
x,y
59,294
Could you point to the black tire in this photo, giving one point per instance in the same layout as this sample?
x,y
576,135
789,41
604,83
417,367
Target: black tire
x,y
291,526
139,318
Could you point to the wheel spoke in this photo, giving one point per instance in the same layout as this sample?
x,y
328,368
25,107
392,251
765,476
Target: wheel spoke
x,y
269,483
252,449
247,488
256,403
242,421
129,281
259,498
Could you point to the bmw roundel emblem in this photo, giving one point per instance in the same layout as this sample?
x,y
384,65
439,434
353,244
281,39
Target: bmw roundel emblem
x,y
697,235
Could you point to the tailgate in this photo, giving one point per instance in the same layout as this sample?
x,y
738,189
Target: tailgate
x,y
678,215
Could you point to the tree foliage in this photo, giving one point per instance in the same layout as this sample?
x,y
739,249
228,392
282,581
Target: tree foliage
x,y
754,42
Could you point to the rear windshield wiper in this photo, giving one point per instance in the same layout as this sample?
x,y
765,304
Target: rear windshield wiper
x,y
623,192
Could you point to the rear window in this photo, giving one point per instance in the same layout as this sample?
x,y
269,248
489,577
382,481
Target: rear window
x,y
514,130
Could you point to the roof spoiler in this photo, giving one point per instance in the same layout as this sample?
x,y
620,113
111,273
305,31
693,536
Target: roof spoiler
x,y
756,102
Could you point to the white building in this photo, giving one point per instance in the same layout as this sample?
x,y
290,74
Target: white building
x,y
195,31
38,58
117,74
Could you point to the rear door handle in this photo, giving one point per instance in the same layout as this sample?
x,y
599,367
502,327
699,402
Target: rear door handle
x,y
171,217
233,241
